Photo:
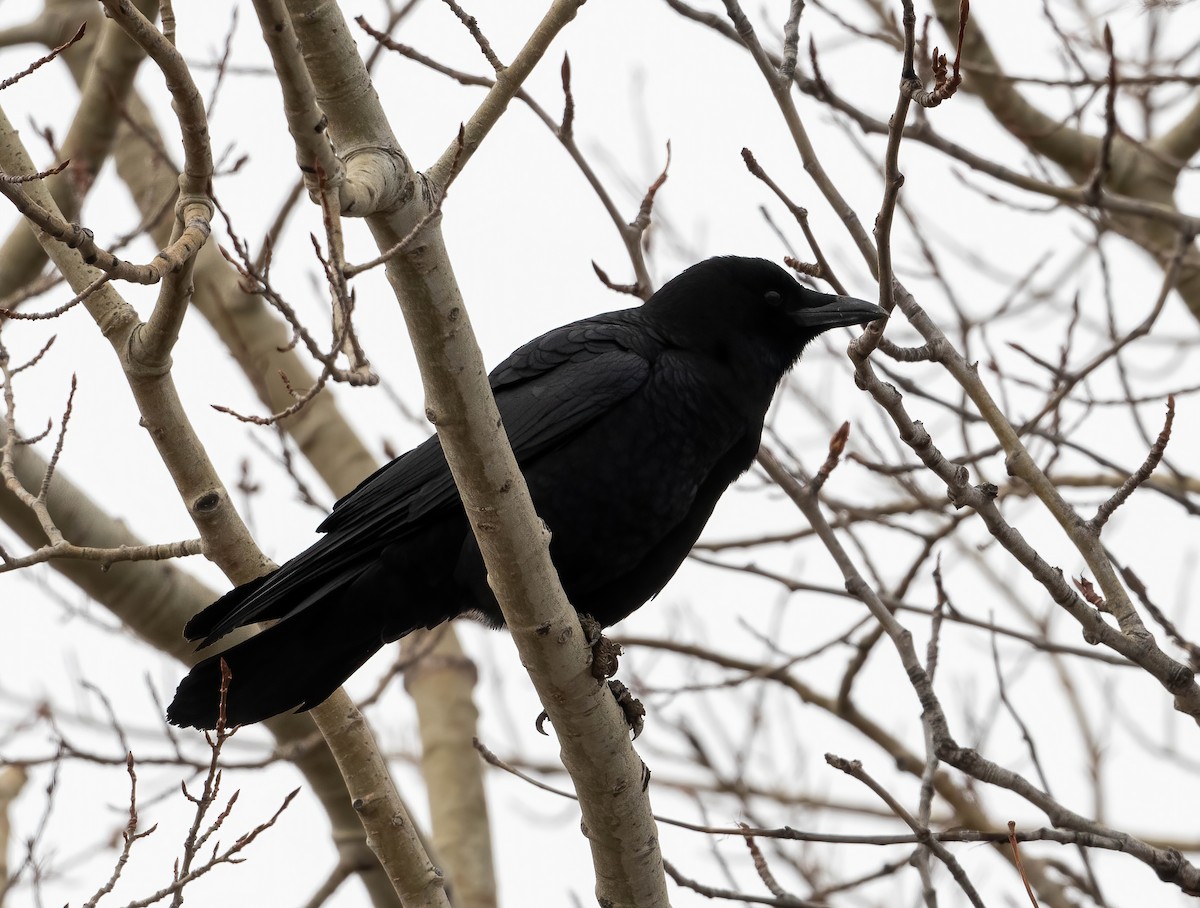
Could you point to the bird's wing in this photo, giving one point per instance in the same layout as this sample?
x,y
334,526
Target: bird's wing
x,y
546,391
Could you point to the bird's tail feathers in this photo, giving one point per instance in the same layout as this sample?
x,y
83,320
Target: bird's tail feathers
x,y
280,594
292,666
323,635
205,623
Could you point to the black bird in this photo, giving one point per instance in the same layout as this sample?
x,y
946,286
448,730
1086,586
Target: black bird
x,y
628,427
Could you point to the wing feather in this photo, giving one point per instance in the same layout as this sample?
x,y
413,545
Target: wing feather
x,y
547,392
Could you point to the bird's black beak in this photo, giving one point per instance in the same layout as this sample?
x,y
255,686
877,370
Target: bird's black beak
x,y
836,312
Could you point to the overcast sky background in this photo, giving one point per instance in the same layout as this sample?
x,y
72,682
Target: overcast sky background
x,y
522,228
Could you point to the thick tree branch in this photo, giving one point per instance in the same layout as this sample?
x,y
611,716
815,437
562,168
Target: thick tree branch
x,y
514,544
106,84
440,680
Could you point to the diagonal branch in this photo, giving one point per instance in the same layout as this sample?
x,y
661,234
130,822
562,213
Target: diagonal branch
x,y
508,81
607,773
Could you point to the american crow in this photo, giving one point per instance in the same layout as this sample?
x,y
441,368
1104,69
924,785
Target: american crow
x,y
628,427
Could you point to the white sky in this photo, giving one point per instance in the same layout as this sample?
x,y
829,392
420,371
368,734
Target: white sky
x,y
522,228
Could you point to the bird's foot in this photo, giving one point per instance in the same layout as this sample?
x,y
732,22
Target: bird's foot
x,y
605,653
631,706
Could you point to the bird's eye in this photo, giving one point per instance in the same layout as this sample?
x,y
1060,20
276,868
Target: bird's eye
x,y
771,297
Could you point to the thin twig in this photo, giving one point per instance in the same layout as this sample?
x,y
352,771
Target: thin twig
x,y
42,61
1153,459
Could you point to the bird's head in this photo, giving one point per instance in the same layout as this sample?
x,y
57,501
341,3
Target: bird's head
x,y
751,309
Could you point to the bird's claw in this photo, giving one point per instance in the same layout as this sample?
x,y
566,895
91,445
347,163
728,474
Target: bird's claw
x,y
631,706
605,653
